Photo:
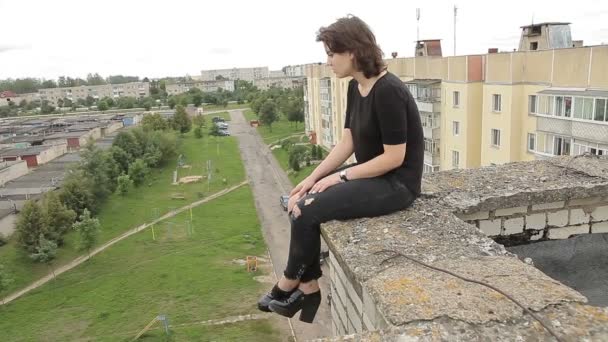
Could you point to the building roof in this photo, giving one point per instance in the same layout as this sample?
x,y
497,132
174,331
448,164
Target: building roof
x,y
546,23
574,92
7,93
29,151
23,138
65,135
423,81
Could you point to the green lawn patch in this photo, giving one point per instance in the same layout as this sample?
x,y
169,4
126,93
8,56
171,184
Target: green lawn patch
x,y
187,274
142,204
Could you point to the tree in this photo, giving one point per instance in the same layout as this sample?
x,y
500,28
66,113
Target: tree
x,y
76,193
181,121
121,158
295,111
60,103
46,108
138,171
88,230
171,102
89,101
199,121
127,143
58,218
102,106
198,133
45,252
124,184
5,280
268,114
224,103
96,170
30,225
154,122
95,79
49,84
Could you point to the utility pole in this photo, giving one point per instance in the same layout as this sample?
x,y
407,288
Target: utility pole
x,y
455,13
417,25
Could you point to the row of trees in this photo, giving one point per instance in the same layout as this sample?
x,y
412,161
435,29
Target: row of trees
x,y
41,226
299,154
32,85
269,105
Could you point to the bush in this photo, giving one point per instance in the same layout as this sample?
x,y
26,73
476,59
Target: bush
x,y
198,133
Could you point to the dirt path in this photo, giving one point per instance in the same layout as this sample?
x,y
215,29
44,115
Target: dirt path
x,y
125,235
268,181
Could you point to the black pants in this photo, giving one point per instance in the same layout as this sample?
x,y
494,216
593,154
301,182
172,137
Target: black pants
x,y
367,197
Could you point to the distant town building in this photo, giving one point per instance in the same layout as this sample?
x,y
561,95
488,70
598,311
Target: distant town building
x,y
245,74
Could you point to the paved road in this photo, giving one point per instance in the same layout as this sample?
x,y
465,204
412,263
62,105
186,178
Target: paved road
x,y
268,182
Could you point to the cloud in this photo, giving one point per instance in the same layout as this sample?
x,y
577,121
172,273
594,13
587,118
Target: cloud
x,y
7,48
220,51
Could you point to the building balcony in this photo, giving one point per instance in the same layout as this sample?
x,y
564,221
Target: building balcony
x,y
427,106
432,133
432,158
586,130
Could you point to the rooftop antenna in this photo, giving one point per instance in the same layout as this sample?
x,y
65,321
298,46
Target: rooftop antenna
x,y
417,24
455,13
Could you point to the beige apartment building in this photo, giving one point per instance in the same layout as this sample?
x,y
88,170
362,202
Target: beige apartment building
x,y
132,89
284,82
478,110
245,74
204,86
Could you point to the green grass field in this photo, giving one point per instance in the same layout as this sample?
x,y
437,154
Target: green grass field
x,y
230,106
190,276
280,129
142,204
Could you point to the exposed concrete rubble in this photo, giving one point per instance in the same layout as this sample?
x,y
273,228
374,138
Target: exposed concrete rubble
x,y
405,301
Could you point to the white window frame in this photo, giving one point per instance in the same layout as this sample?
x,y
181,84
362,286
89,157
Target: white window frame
x,y
533,140
494,143
455,159
455,128
496,100
532,101
456,99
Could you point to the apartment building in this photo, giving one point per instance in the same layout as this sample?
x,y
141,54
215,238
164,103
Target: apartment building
x,y
546,99
278,82
295,70
132,89
204,86
245,74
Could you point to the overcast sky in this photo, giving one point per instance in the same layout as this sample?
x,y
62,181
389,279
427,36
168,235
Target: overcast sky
x,y
49,38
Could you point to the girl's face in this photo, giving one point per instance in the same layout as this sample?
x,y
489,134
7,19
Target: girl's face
x,y
340,63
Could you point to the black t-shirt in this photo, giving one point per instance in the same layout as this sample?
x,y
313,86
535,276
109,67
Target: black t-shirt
x,y
387,115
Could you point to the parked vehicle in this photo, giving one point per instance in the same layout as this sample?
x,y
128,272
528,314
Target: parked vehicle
x,y
217,119
283,200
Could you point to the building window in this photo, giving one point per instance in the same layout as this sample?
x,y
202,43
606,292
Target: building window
x,y
496,103
600,110
495,137
534,46
532,142
456,99
456,128
563,106
532,104
455,159
430,168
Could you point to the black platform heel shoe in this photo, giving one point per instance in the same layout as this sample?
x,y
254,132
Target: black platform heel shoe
x,y
308,303
275,293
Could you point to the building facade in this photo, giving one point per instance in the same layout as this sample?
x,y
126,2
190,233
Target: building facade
x,y
495,108
204,86
132,89
245,74
279,82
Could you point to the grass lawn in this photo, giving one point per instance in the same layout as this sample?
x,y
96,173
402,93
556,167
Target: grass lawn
x,y
141,204
224,115
295,177
280,129
188,277
207,108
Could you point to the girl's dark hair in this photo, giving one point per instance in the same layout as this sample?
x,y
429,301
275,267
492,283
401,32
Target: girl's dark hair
x,y
351,34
